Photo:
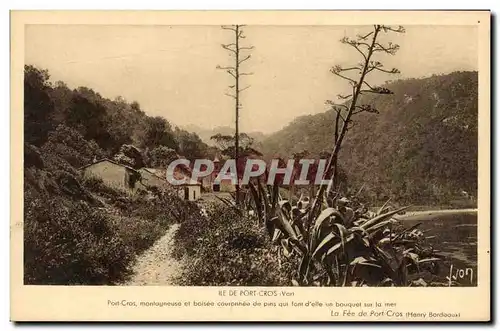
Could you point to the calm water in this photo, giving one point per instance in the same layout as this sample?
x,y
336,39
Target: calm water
x,y
456,239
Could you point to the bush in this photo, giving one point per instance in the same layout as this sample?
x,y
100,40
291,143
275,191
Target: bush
x,y
40,181
163,205
68,243
70,145
341,243
81,231
32,157
138,234
227,249
142,219
96,185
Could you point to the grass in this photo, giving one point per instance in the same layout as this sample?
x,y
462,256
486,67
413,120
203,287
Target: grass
x,y
276,246
225,249
70,243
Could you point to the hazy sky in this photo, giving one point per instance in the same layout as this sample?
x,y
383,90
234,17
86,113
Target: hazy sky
x,y
171,71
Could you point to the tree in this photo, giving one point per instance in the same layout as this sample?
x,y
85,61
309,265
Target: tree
x,y
61,96
69,144
189,144
235,50
158,132
120,125
38,105
226,146
367,45
88,115
131,156
136,106
161,157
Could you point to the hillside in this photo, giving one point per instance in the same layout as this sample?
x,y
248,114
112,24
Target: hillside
x,y
205,134
77,230
409,151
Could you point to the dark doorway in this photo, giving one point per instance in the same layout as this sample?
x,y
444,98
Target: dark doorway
x,y
186,193
216,187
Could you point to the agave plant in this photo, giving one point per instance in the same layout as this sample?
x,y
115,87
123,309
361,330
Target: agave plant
x,y
341,247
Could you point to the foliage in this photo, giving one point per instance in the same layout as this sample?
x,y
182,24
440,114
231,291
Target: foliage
x,y
342,245
189,144
69,144
38,105
68,243
237,52
97,186
79,230
109,123
205,134
161,157
131,156
227,148
226,143
158,133
224,249
417,130
88,115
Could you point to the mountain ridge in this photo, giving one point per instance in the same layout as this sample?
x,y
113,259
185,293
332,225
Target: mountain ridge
x,y
421,147
205,133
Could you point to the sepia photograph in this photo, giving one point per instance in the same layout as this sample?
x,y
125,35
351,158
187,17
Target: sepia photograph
x,y
392,112
253,160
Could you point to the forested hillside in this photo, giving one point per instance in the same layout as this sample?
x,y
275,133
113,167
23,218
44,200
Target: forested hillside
x,y
206,134
78,230
109,124
409,151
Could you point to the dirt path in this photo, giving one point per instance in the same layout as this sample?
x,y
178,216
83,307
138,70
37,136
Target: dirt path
x,y
156,266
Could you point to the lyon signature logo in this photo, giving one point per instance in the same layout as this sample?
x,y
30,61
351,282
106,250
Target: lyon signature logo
x,y
458,274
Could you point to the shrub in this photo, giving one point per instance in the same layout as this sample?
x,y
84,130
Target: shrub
x,y
163,205
194,228
68,243
227,249
339,246
40,181
96,185
138,234
55,162
32,157
144,218
70,145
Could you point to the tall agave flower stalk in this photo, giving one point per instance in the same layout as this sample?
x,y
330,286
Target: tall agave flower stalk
x,y
368,46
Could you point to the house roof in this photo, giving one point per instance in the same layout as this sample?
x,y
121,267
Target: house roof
x,y
162,173
157,172
153,172
108,160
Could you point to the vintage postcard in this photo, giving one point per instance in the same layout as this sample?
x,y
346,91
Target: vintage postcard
x,y
250,166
